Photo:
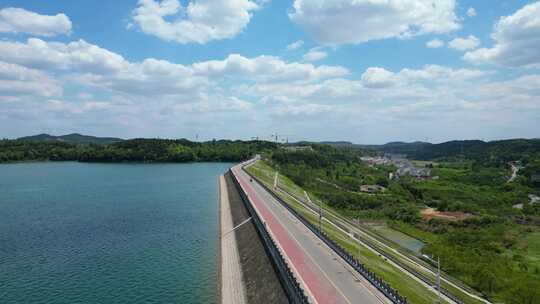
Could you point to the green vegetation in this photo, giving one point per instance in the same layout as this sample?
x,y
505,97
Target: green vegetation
x,y
487,243
136,150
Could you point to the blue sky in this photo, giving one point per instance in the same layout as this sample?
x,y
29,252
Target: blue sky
x,y
363,71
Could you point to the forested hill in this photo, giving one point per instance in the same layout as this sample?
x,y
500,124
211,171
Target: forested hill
x,y
71,139
500,151
134,150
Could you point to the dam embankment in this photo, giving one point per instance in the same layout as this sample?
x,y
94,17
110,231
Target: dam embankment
x,y
246,273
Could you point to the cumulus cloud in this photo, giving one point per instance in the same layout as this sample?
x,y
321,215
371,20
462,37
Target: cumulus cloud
x,y
251,94
91,65
435,43
315,54
471,12
295,45
357,21
517,40
18,20
464,44
376,77
80,55
18,80
199,22
267,69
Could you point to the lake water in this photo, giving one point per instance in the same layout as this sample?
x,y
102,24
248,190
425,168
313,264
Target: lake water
x,y
108,233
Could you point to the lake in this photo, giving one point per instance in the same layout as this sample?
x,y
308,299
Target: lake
x,y
108,233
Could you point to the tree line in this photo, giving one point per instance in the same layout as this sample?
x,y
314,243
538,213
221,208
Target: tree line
x,y
135,150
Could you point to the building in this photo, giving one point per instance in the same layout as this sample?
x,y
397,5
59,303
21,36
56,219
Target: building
x,y
372,188
298,148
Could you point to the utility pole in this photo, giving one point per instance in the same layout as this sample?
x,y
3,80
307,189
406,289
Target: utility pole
x,y
320,209
320,217
439,277
431,259
358,244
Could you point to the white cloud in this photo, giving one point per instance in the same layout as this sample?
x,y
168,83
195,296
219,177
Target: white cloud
x,y
86,64
333,22
19,80
215,104
295,45
375,77
78,55
78,108
18,20
517,40
315,54
437,73
200,21
471,12
435,43
463,44
155,97
267,69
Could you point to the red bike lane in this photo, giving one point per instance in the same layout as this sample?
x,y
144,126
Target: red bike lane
x,y
318,286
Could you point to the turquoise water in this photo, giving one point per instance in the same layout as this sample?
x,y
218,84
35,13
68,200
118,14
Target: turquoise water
x,y
108,233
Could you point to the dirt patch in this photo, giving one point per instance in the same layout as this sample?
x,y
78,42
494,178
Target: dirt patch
x,y
430,213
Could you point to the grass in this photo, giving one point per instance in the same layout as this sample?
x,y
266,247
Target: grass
x,y
533,248
426,237
528,249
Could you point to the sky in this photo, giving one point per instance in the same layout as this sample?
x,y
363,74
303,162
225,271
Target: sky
x,y
365,71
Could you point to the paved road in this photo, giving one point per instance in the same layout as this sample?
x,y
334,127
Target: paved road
x,y
325,276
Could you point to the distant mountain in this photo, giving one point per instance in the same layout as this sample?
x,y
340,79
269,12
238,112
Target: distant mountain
x,y
398,147
338,143
72,139
499,151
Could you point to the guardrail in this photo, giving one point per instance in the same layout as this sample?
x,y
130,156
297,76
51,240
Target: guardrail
x,y
382,286
294,291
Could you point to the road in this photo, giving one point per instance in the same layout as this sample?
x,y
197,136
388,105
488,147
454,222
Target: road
x,y
515,170
325,276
